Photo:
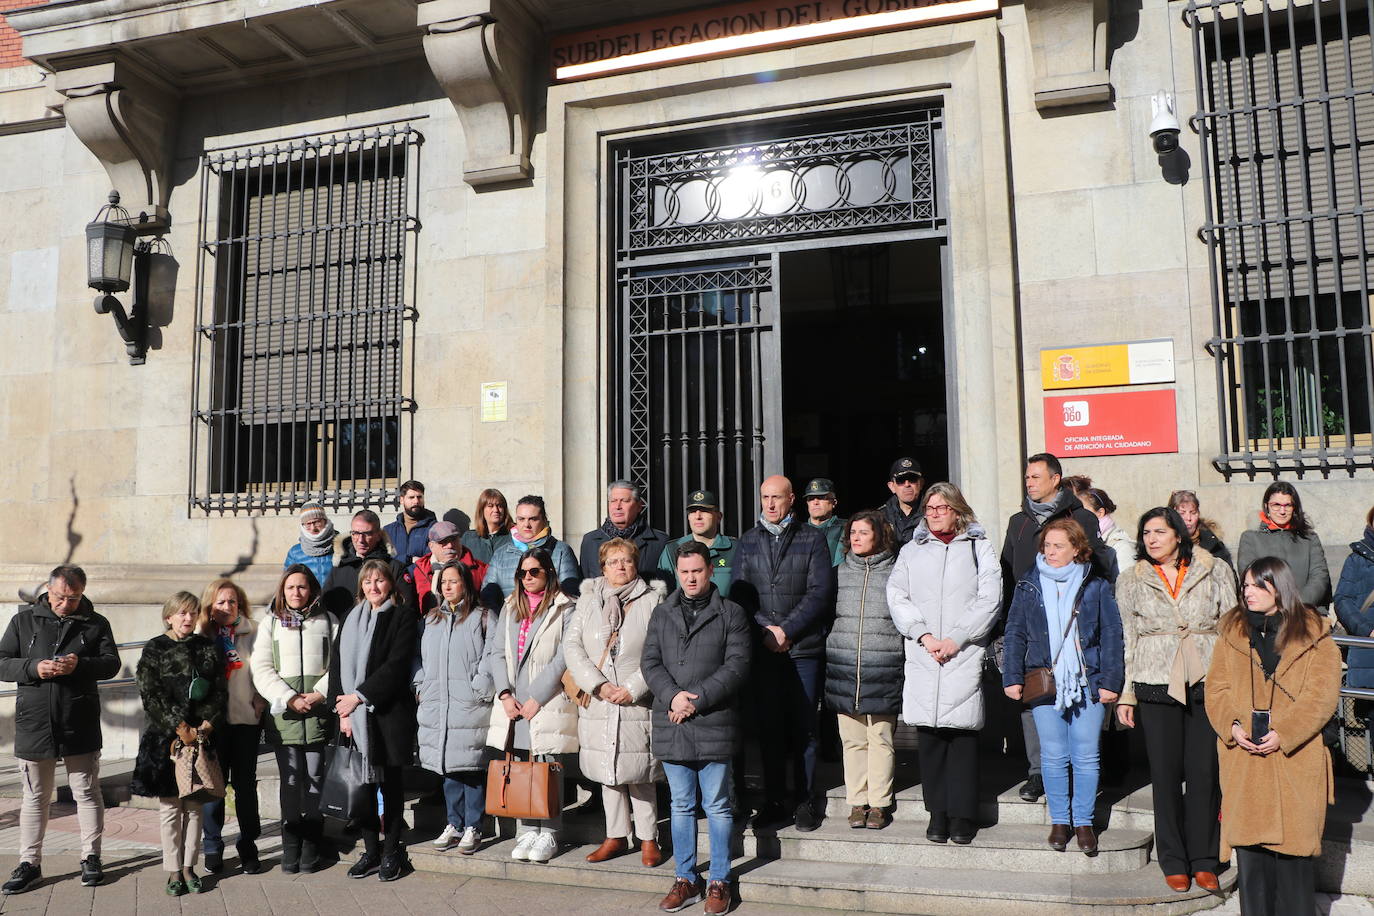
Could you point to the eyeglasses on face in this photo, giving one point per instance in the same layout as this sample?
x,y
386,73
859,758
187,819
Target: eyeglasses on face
x,y
370,533
938,510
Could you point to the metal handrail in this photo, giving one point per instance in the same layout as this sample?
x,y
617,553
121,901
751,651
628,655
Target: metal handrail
x,y
116,682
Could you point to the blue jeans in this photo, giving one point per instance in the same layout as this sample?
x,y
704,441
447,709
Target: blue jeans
x,y
713,779
1066,738
466,795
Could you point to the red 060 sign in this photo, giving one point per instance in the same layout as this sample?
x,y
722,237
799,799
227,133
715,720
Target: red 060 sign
x,y
1118,423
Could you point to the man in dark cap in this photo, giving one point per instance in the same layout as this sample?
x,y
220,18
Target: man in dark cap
x,y
820,507
418,586
703,526
905,481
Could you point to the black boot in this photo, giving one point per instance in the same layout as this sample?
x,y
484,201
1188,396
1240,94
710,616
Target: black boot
x,y
312,842
290,848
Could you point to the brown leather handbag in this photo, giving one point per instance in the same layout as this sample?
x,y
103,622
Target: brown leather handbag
x,y
527,789
575,693
1040,681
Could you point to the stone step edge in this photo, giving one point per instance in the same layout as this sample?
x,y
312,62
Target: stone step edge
x,y
749,873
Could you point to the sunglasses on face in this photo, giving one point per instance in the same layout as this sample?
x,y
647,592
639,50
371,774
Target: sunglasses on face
x,y
531,573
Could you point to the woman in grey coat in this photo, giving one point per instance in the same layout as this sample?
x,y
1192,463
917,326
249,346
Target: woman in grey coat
x,y
1285,532
944,594
863,668
455,691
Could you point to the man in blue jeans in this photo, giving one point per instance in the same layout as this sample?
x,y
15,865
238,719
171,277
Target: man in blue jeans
x,y
696,661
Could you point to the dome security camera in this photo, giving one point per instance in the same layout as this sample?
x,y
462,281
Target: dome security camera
x,y
1164,127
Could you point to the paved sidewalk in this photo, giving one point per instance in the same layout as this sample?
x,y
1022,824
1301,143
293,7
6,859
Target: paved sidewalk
x,y
135,883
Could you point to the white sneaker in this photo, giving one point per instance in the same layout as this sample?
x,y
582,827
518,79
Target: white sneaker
x,y
543,848
521,852
447,838
470,841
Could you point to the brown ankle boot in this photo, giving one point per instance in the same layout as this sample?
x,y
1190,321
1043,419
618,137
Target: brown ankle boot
x,y
650,854
1059,837
1087,840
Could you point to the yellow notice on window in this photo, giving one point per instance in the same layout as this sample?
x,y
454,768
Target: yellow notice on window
x,y
1142,362
493,402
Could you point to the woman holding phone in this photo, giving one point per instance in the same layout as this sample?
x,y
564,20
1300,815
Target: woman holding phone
x,y
1274,682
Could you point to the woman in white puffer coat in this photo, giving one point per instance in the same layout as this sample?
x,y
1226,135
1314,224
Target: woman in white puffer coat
x,y
943,595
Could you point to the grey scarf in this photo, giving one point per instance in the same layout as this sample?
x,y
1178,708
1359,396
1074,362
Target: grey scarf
x,y
775,530
1041,512
355,645
613,600
318,545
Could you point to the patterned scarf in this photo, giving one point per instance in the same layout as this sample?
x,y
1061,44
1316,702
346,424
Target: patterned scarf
x,y
232,662
775,530
635,529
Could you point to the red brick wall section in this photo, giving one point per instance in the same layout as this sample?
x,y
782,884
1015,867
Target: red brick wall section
x,y
10,55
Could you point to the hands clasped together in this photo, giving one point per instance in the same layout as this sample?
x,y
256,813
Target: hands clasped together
x,y
942,650
1267,745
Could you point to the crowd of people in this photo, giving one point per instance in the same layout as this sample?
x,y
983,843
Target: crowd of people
x,y
640,659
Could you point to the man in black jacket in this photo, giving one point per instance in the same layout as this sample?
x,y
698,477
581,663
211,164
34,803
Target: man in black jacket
x,y
57,650
784,579
625,518
696,661
905,482
366,541
1046,500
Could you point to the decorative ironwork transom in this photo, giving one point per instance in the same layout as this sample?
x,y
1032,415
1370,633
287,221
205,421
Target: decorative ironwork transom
x,y
302,371
848,181
698,354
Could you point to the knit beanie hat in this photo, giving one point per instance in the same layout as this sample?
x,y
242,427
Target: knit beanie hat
x,y
311,512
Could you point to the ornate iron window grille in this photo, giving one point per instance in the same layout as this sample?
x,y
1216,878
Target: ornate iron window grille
x,y
1286,115
854,180
305,295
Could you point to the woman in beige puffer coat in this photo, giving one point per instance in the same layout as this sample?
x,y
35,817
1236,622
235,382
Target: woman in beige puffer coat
x,y
613,729
1170,602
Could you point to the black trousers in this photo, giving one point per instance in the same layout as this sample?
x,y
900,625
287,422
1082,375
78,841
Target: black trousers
x,y
949,771
302,776
382,834
786,691
236,746
1272,884
1182,749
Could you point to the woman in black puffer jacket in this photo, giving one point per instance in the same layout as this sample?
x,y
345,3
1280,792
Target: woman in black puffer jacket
x,y
863,668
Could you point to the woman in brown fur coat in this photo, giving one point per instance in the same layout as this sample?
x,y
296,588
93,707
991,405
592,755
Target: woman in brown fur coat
x,y
1274,653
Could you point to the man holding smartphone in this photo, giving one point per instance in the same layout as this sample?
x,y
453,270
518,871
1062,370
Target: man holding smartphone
x,y
57,649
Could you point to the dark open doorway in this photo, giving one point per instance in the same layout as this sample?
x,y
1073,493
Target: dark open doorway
x,y
863,365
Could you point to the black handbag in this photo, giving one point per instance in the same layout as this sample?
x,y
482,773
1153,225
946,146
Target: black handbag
x,y
345,794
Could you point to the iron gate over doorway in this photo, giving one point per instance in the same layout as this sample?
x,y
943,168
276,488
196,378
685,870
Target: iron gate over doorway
x,y
695,361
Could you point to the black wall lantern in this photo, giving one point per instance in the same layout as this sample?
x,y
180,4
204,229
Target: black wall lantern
x,y
115,260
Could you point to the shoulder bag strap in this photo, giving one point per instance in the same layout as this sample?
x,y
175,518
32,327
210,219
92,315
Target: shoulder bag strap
x,y
1368,603
1065,638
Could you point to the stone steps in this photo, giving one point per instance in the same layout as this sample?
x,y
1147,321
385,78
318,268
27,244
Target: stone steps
x,y
851,886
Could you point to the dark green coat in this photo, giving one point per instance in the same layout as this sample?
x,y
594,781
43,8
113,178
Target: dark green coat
x,y
165,671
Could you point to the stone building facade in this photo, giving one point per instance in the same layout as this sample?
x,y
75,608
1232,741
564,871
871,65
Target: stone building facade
x,y
510,301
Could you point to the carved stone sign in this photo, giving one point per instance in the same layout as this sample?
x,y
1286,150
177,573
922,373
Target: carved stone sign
x,y
746,26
